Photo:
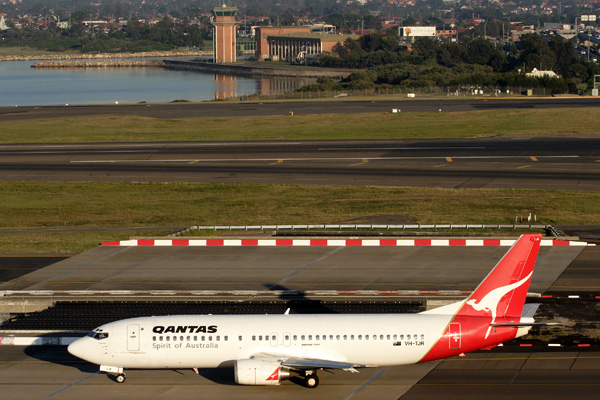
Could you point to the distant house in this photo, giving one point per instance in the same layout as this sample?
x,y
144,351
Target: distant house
x,y
3,25
540,74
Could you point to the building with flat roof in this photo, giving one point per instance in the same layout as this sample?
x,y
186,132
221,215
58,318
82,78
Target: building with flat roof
x,y
416,31
262,34
295,47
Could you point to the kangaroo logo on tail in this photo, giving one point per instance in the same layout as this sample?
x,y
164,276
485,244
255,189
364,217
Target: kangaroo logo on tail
x,y
490,301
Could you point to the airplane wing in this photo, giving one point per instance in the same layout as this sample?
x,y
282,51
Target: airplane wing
x,y
300,363
312,363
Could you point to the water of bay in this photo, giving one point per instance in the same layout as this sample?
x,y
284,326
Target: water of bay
x,y
25,86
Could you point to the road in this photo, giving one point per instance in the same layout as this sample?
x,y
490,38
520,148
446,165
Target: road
x,y
216,109
569,163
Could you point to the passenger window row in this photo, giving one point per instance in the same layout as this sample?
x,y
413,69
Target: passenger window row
x,y
287,337
340,337
189,338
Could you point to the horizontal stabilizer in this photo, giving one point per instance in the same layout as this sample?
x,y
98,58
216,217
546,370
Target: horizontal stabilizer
x,y
529,310
524,323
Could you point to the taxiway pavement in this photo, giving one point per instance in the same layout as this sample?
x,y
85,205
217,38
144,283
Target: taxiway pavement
x,y
49,372
557,163
294,268
221,109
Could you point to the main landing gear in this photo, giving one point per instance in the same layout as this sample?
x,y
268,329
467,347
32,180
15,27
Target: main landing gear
x,y
311,380
121,378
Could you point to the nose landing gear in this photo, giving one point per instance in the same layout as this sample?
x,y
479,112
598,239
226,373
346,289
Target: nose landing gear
x,y
120,375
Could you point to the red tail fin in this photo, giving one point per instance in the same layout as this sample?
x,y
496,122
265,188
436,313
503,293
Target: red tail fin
x,y
498,298
504,290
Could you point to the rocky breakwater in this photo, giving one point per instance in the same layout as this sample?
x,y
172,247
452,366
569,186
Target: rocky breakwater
x,y
100,64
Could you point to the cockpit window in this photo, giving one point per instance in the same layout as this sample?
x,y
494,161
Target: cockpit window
x,y
98,334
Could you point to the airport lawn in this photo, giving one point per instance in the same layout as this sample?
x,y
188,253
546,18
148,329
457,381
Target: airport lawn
x,y
60,217
305,127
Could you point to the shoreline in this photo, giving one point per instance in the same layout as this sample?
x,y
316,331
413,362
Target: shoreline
x,y
98,56
260,70
237,69
100,64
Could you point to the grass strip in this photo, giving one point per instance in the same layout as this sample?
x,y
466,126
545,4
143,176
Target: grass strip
x,y
40,206
367,126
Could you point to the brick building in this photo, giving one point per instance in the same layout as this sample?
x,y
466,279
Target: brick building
x,y
295,47
224,34
262,34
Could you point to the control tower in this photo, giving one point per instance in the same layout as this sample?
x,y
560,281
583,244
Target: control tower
x,y
224,32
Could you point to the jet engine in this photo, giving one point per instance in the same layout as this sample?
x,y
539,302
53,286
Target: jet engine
x,y
259,372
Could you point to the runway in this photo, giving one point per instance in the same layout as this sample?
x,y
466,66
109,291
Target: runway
x,y
558,163
219,109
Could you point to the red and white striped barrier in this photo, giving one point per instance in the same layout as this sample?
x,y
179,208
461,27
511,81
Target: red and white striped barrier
x,y
332,242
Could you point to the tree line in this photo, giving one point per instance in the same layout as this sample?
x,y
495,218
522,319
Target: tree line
x,y
479,62
133,37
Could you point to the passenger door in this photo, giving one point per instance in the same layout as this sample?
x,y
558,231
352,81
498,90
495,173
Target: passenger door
x,y
133,337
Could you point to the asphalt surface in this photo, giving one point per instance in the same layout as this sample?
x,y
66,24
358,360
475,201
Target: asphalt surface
x,y
295,268
216,109
51,373
570,163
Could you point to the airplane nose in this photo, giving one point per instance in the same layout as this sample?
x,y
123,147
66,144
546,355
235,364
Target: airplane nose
x,y
77,348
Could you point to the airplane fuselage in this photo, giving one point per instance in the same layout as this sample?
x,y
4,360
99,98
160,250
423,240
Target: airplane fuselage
x,y
209,341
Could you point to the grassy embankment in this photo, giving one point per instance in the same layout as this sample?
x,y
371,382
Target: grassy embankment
x,y
305,127
39,206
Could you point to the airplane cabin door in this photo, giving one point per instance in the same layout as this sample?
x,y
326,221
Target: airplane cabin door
x,y
454,338
133,337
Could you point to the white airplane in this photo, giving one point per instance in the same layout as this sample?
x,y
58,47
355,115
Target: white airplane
x,y
266,349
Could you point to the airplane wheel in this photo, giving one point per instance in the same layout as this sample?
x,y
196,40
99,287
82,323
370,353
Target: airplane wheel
x,y
311,381
120,378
